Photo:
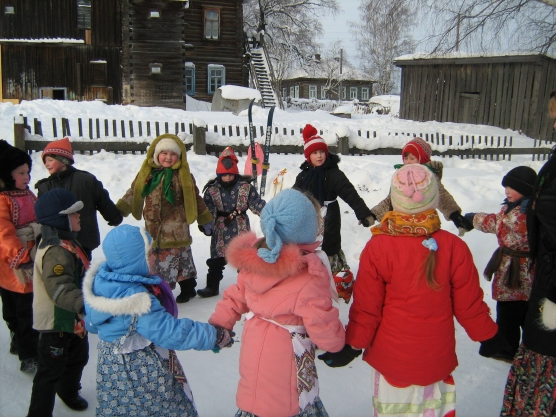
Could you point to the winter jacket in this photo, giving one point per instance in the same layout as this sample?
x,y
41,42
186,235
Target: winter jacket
x,y
220,200
542,229
86,188
114,296
446,203
16,212
336,184
57,280
406,328
293,291
511,231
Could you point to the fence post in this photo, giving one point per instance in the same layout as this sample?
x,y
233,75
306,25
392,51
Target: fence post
x,y
19,133
199,138
343,145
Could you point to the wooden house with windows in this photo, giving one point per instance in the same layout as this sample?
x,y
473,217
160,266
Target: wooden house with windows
x,y
510,91
321,82
142,52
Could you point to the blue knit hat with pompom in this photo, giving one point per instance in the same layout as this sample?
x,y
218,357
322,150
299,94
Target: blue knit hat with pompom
x,y
290,217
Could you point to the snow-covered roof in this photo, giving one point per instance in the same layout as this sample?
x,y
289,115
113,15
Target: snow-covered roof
x,y
480,56
43,40
316,70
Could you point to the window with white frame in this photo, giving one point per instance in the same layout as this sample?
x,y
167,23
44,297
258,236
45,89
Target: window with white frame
x,y
312,91
352,93
323,92
344,90
292,91
190,78
216,77
284,91
296,94
212,24
364,93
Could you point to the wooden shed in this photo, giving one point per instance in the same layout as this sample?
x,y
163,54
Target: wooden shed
x,y
510,91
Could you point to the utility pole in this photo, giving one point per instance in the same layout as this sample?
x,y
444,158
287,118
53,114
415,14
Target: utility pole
x,y
457,32
340,92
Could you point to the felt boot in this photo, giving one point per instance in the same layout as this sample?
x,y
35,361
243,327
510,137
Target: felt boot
x,y
214,276
187,290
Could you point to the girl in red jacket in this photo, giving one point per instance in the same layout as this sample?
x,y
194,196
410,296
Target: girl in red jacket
x,y
413,279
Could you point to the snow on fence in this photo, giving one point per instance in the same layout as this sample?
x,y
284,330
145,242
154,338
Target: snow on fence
x,y
92,135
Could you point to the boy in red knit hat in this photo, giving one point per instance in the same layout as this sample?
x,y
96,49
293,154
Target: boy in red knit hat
x,y
58,160
321,177
228,197
417,151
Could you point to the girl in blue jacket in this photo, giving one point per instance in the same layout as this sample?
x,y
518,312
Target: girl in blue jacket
x,y
135,317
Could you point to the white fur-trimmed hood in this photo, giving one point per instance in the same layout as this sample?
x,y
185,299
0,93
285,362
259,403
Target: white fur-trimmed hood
x,y
134,305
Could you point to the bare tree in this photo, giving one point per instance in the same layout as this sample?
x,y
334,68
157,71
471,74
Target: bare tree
x,y
291,27
382,34
487,25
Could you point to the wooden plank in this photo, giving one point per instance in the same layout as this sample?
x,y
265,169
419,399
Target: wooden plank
x,y
523,97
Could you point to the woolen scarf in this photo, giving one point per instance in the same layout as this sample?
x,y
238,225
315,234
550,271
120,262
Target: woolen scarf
x,y
314,183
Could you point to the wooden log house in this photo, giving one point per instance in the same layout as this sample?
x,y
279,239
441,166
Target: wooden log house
x,y
142,52
510,91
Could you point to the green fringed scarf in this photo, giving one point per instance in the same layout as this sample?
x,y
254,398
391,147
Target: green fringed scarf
x,y
154,179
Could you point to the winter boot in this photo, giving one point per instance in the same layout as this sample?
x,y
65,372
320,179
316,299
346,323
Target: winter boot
x,y
187,290
29,365
13,344
214,276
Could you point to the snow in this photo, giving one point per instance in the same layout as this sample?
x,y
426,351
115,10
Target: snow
x,y
235,92
475,185
43,40
390,101
459,54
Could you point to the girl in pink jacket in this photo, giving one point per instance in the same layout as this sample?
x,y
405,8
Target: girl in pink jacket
x,y
285,291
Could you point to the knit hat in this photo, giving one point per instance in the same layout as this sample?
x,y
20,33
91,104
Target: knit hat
x,y
227,162
166,144
53,207
60,150
290,217
312,142
414,189
522,179
10,159
126,249
419,149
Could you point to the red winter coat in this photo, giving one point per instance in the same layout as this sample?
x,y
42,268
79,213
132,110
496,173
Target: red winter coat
x,y
406,328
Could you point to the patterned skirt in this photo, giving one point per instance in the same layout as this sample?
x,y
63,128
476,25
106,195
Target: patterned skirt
x,y
174,265
139,383
434,400
338,262
314,410
531,386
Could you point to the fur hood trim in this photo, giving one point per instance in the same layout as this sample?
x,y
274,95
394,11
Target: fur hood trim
x,y
242,254
134,305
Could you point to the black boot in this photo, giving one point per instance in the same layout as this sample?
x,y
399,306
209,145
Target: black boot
x,y
187,290
214,276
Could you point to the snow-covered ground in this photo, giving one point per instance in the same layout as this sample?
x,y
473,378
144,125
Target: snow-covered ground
x,y
475,185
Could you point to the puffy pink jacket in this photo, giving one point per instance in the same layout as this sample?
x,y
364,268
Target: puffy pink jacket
x,y
293,291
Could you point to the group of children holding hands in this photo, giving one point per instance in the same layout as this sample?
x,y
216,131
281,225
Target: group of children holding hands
x,y
413,279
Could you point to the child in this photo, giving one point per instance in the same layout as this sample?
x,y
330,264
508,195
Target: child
x,y
321,177
17,248
58,308
228,197
417,151
413,279
511,286
135,317
58,160
285,288
165,192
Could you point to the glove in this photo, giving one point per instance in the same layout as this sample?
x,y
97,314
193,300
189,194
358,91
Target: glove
x,y
463,224
224,339
207,229
492,346
341,358
26,266
117,221
469,217
368,221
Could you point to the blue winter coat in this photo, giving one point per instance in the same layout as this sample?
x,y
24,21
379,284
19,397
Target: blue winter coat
x,y
115,292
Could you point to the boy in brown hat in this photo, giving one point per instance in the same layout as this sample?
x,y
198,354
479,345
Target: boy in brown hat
x,y
58,160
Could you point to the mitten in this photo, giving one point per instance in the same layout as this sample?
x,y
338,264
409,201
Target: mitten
x,y
493,346
117,221
548,314
368,221
469,217
341,358
207,229
224,339
461,223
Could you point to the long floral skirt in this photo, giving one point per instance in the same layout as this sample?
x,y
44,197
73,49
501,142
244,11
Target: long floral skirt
x,y
174,265
314,410
531,386
139,383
